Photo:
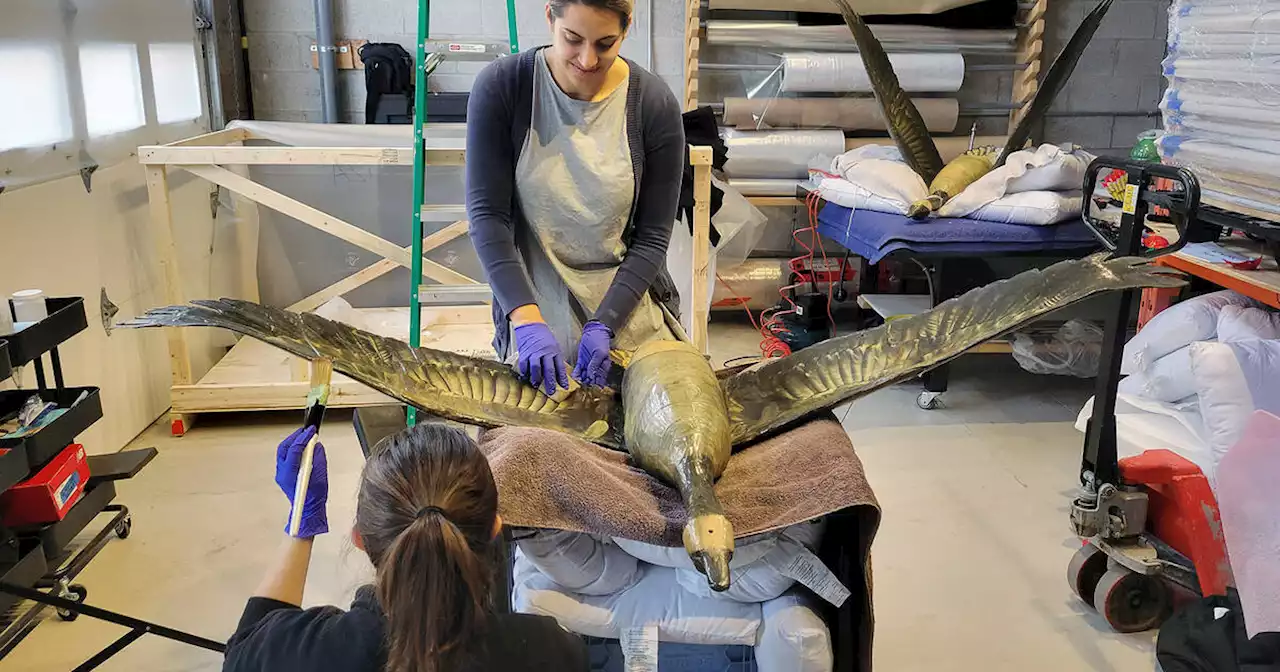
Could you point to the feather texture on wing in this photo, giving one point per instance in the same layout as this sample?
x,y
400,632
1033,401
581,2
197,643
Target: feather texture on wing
x,y
777,392
1055,79
453,386
906,126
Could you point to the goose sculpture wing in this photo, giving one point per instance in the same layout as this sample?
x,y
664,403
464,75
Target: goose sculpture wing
x,y
779,392
457,387
911,135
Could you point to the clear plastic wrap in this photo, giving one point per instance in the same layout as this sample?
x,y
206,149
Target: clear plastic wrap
x,y
1220,108
1074,350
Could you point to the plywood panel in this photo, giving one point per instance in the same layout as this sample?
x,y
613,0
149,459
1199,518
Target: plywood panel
x,y
72,243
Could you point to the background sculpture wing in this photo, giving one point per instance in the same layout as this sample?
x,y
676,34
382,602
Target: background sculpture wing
x,y
453,386
1054,80
777,392
906,126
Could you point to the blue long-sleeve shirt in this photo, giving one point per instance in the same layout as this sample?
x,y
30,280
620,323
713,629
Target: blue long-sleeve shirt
x,y
498,117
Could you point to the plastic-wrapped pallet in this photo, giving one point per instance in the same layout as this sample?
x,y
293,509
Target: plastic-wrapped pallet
x,y
1219,107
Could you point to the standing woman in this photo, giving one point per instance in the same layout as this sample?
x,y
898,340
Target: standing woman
x,y
574,163
427,516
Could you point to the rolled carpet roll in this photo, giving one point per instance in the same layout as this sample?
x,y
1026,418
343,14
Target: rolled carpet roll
x,y
754,186
778,154
753,284
850,114
844,72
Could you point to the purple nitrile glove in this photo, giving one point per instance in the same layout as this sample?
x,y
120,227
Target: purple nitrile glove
x,y
540,360
593,355
315,519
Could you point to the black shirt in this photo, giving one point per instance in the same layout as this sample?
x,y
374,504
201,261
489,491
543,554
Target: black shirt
x,y
280,637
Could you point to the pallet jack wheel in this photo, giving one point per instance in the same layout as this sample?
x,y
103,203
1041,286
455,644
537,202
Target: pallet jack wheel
x,y
1085,570
1132,602
76,593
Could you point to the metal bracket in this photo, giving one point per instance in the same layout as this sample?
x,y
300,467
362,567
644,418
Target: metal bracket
x,y
1110,513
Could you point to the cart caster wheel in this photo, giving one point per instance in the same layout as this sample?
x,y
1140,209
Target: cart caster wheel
x,y
1132,602
1085,570
928,401
75,593
124,528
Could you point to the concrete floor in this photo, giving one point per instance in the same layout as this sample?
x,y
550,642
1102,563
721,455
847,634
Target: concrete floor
x,y
969,564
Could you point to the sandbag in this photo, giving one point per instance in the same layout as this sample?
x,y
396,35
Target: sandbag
x,y
1032,208
1247,323
583,563
793,637
655,599
1168,379
1233,380
1178,326
758,565
1048,168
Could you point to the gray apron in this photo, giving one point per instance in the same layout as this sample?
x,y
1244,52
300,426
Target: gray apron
x,y
576,188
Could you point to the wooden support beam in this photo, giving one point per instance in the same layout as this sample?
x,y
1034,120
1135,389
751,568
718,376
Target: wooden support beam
x,y
162,232
295,156
226,136
376,270
323,221
700,158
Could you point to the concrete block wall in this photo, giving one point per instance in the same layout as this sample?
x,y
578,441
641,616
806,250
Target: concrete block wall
x,y
287,88
1115,92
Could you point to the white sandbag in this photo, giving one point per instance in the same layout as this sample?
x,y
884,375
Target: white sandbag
x,y
1178,326
1233,380
656,599
872,177
1247,323
793,637
1143,424
758,566
1047,168
583,563
759,581
1167,379
1031,208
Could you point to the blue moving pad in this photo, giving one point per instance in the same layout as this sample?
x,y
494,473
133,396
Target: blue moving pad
x,y
606,656
874,235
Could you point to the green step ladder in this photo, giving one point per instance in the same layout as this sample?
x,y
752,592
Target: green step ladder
x,y
450,50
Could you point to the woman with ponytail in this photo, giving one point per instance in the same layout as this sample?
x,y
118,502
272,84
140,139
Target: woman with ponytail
x,y
427,516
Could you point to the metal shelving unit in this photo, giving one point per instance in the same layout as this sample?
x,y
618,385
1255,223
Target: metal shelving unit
x,y
37,563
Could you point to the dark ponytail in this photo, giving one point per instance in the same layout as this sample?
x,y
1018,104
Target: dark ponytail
x,y
426,515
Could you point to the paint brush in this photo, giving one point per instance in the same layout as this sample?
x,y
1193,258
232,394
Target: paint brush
x,y
321,374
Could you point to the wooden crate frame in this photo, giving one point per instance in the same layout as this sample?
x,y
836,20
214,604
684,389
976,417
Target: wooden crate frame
x,y
223,158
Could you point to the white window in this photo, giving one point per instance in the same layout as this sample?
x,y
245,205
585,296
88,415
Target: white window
x,y
112,88
177,82
34,111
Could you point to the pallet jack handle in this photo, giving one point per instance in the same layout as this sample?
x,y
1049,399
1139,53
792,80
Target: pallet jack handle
x,y
1182,199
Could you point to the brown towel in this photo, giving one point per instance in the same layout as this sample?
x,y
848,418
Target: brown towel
x,y
551,480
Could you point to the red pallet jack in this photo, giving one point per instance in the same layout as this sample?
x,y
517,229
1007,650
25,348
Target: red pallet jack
x,y
1149,523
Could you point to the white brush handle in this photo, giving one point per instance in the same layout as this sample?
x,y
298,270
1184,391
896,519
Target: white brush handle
x,y
304,481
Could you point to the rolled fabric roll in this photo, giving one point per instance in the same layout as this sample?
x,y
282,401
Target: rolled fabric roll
x,y
778,154
850,114
844,72
753,284
756,186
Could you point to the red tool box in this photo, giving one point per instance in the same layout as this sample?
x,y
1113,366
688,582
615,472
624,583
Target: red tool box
x,y
50,493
